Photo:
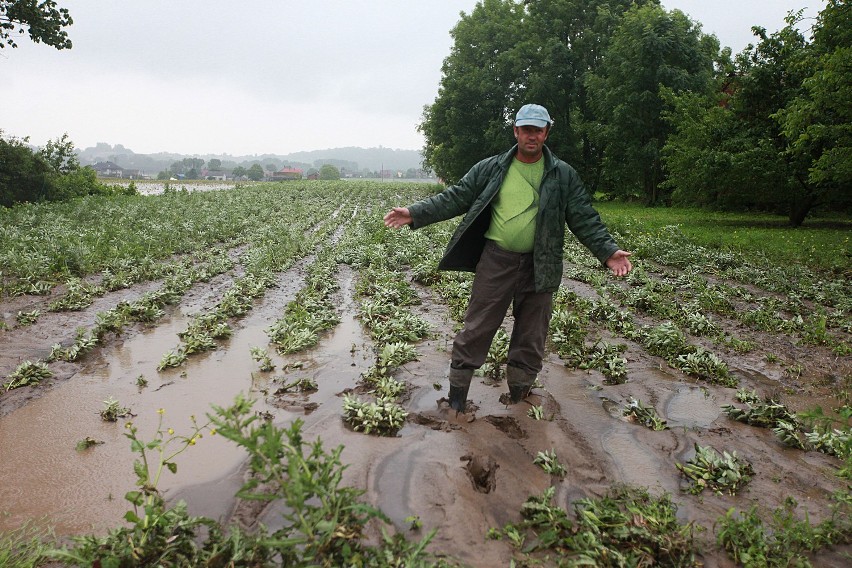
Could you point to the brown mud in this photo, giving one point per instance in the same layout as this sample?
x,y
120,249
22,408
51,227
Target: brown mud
x,y
460,474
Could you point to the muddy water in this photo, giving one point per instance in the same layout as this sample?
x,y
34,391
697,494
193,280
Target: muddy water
x,y
460,475
80,491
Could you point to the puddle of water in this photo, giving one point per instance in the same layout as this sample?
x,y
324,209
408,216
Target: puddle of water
x,y
45,476
692,407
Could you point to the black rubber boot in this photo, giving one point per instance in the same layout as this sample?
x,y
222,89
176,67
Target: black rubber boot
x,y
459,385
518,392
520,383
458,398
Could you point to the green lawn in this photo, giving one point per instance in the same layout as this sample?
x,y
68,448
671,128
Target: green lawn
x,y
821,243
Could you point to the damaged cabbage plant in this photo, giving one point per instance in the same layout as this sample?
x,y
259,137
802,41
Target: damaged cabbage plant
x,y
721,473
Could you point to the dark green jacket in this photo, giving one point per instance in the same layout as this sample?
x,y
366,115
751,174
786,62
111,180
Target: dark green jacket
x,y
563,199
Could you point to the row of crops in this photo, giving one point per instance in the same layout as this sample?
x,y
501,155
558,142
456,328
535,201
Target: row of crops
x,y
696,309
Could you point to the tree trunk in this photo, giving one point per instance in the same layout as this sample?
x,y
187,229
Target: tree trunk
x,y
800,209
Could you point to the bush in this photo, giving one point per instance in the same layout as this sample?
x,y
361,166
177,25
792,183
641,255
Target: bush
x,y
49,174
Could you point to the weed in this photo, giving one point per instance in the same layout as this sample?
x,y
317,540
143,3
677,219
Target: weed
x,y
23,547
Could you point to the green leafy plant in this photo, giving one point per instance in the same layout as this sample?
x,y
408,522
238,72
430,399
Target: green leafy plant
x,y
784,540
87,443
27,373
27,318
383,417
644,415
262,357
548,461
536,412
725,473
113,410
626,527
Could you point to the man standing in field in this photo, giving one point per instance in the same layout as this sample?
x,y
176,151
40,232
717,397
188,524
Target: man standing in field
x,y
515,208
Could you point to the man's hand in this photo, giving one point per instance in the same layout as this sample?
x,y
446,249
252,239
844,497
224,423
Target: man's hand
x,y
400,217
619,262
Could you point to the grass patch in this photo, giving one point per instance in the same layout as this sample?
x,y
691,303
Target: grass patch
x,y
822,243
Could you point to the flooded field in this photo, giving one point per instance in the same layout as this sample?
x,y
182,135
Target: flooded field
x,y
460,474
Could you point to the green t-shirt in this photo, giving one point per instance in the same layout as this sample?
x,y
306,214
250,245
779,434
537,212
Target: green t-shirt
x,y
514,209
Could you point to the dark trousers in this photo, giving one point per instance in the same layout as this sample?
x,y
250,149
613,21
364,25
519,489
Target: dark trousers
x,y
504,278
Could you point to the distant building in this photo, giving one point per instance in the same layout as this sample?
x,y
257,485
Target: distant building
x,y
220,175
287,173
108,169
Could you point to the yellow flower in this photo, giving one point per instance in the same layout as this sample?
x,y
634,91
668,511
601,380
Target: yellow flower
x,y
171,431
213,432
128,424
161,411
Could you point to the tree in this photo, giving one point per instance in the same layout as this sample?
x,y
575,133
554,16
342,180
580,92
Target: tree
x,y
817,122
49,174
214,164
239,172
42,20
565,43
60,155
479,90
328,171
651,49
255,172
782,140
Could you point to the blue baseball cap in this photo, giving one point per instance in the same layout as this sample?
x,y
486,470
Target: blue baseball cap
x,y
533,115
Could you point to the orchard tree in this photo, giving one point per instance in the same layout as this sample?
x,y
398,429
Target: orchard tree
x,y
479,90
41,19
781,142
564,42
817,122
651,50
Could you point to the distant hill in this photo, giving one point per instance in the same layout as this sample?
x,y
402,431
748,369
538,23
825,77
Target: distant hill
x,y
352,158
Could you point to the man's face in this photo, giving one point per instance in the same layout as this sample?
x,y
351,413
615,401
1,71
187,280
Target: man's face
x,y
530,142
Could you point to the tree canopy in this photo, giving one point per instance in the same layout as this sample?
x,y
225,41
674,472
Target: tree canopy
x,y
647,106
42,20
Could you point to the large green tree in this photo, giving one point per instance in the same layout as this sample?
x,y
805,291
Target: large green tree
x,y
41,19
651,50
817,122
781,139
564,43
479,90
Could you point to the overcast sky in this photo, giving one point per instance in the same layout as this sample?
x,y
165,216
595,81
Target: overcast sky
x,y
263,76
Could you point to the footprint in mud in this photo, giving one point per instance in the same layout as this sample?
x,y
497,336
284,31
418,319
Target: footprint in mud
x,y
508,426
433,422
482,471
